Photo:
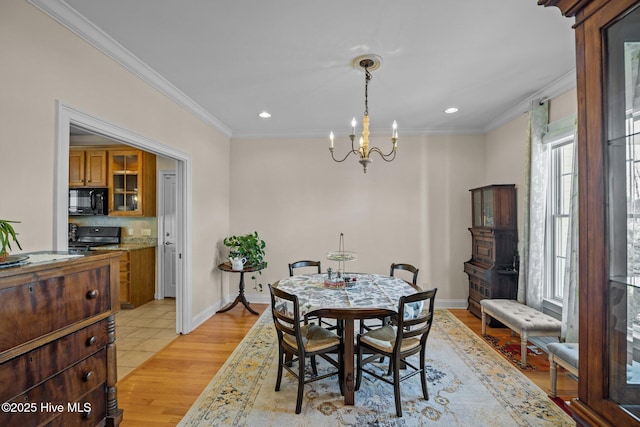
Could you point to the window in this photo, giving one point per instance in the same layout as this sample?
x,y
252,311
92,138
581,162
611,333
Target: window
x,y
561,143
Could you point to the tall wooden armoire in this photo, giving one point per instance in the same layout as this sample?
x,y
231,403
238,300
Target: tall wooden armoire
x,y
494,247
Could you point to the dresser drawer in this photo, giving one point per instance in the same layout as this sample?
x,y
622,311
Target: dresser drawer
x,y
35,309
474,270
89,410
46,361
69,386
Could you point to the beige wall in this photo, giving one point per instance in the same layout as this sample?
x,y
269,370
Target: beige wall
x,y
43,62
414,209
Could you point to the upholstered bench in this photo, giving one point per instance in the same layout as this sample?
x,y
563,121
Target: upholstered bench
x,y
564,354
520,318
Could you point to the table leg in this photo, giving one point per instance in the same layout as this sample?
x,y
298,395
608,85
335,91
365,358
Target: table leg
x,y
347,361
240,298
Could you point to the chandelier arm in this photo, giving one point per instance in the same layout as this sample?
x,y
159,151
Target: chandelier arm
x,y
345,157
385,157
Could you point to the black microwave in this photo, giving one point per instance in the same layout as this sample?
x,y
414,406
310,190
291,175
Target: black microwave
x,y
88,201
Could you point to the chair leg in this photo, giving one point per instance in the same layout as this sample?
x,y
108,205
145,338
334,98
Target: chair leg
x,y
358,367
396,387
280,362
313,366
300,384
423,375
341,371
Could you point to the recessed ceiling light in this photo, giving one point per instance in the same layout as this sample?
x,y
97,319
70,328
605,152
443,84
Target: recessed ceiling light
x,y
451,110
264,115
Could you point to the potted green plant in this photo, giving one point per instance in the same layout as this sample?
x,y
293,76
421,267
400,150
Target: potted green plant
x,y
7,234
250,247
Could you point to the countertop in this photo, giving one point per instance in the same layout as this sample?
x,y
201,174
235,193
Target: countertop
x,y
43,260
124,247
129,244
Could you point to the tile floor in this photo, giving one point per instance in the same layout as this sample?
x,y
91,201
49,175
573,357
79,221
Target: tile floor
x,y
142,332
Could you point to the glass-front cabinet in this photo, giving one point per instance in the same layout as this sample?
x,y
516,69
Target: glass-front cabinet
x,y
608,87
131,183
493,206
622,174
124,172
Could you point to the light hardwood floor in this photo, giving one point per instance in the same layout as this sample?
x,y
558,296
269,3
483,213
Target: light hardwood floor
x,y
163,388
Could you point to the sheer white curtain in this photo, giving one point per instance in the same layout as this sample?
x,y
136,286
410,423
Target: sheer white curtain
x,y
532,257
569,331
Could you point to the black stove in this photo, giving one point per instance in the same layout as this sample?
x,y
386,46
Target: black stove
x,y
85,237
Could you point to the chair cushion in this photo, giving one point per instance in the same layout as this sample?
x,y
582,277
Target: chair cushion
x,y
566,351
384,339
314,338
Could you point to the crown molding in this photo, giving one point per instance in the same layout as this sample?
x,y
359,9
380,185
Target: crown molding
x,y
559,86
79,25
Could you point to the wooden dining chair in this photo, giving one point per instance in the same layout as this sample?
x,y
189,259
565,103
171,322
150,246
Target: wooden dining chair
x,y
317,265
408,336
394,266
298,341
304,263
407,267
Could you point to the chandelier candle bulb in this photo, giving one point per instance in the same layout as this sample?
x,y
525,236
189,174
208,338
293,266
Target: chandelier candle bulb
x,y
353,126
331,139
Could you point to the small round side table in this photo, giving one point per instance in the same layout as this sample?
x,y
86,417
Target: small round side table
x,y
225,266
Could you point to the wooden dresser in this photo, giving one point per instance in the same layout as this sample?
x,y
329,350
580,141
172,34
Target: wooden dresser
x,y
494,237
57,342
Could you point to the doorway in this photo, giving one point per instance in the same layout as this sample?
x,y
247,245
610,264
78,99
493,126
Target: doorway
x,y
69,116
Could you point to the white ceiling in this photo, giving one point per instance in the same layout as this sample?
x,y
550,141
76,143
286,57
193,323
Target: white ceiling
x,y
229,60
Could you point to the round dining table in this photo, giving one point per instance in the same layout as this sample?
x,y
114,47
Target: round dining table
x,y
369,296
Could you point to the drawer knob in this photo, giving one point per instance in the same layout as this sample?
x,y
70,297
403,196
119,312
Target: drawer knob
x,y
91,341
92,294
86,414
87,376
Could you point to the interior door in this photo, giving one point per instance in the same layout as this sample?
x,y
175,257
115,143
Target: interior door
x,y
169,234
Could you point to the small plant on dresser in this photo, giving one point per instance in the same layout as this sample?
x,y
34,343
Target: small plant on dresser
x,y
7,234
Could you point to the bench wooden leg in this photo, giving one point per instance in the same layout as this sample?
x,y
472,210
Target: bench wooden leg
x,y
553,371
523,348
484,322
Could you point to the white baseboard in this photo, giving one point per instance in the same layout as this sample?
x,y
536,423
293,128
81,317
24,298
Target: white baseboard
x,y
451,303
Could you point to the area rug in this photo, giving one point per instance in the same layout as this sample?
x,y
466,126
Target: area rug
x,y
469,385
537,360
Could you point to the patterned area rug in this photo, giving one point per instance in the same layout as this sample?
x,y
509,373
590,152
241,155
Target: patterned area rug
x,y
469,385
537,360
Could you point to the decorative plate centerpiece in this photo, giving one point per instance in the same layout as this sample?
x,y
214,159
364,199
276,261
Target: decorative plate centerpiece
x,y
342,256
340,280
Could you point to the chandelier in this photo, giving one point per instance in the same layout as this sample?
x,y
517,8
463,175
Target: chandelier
x,y
366,62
